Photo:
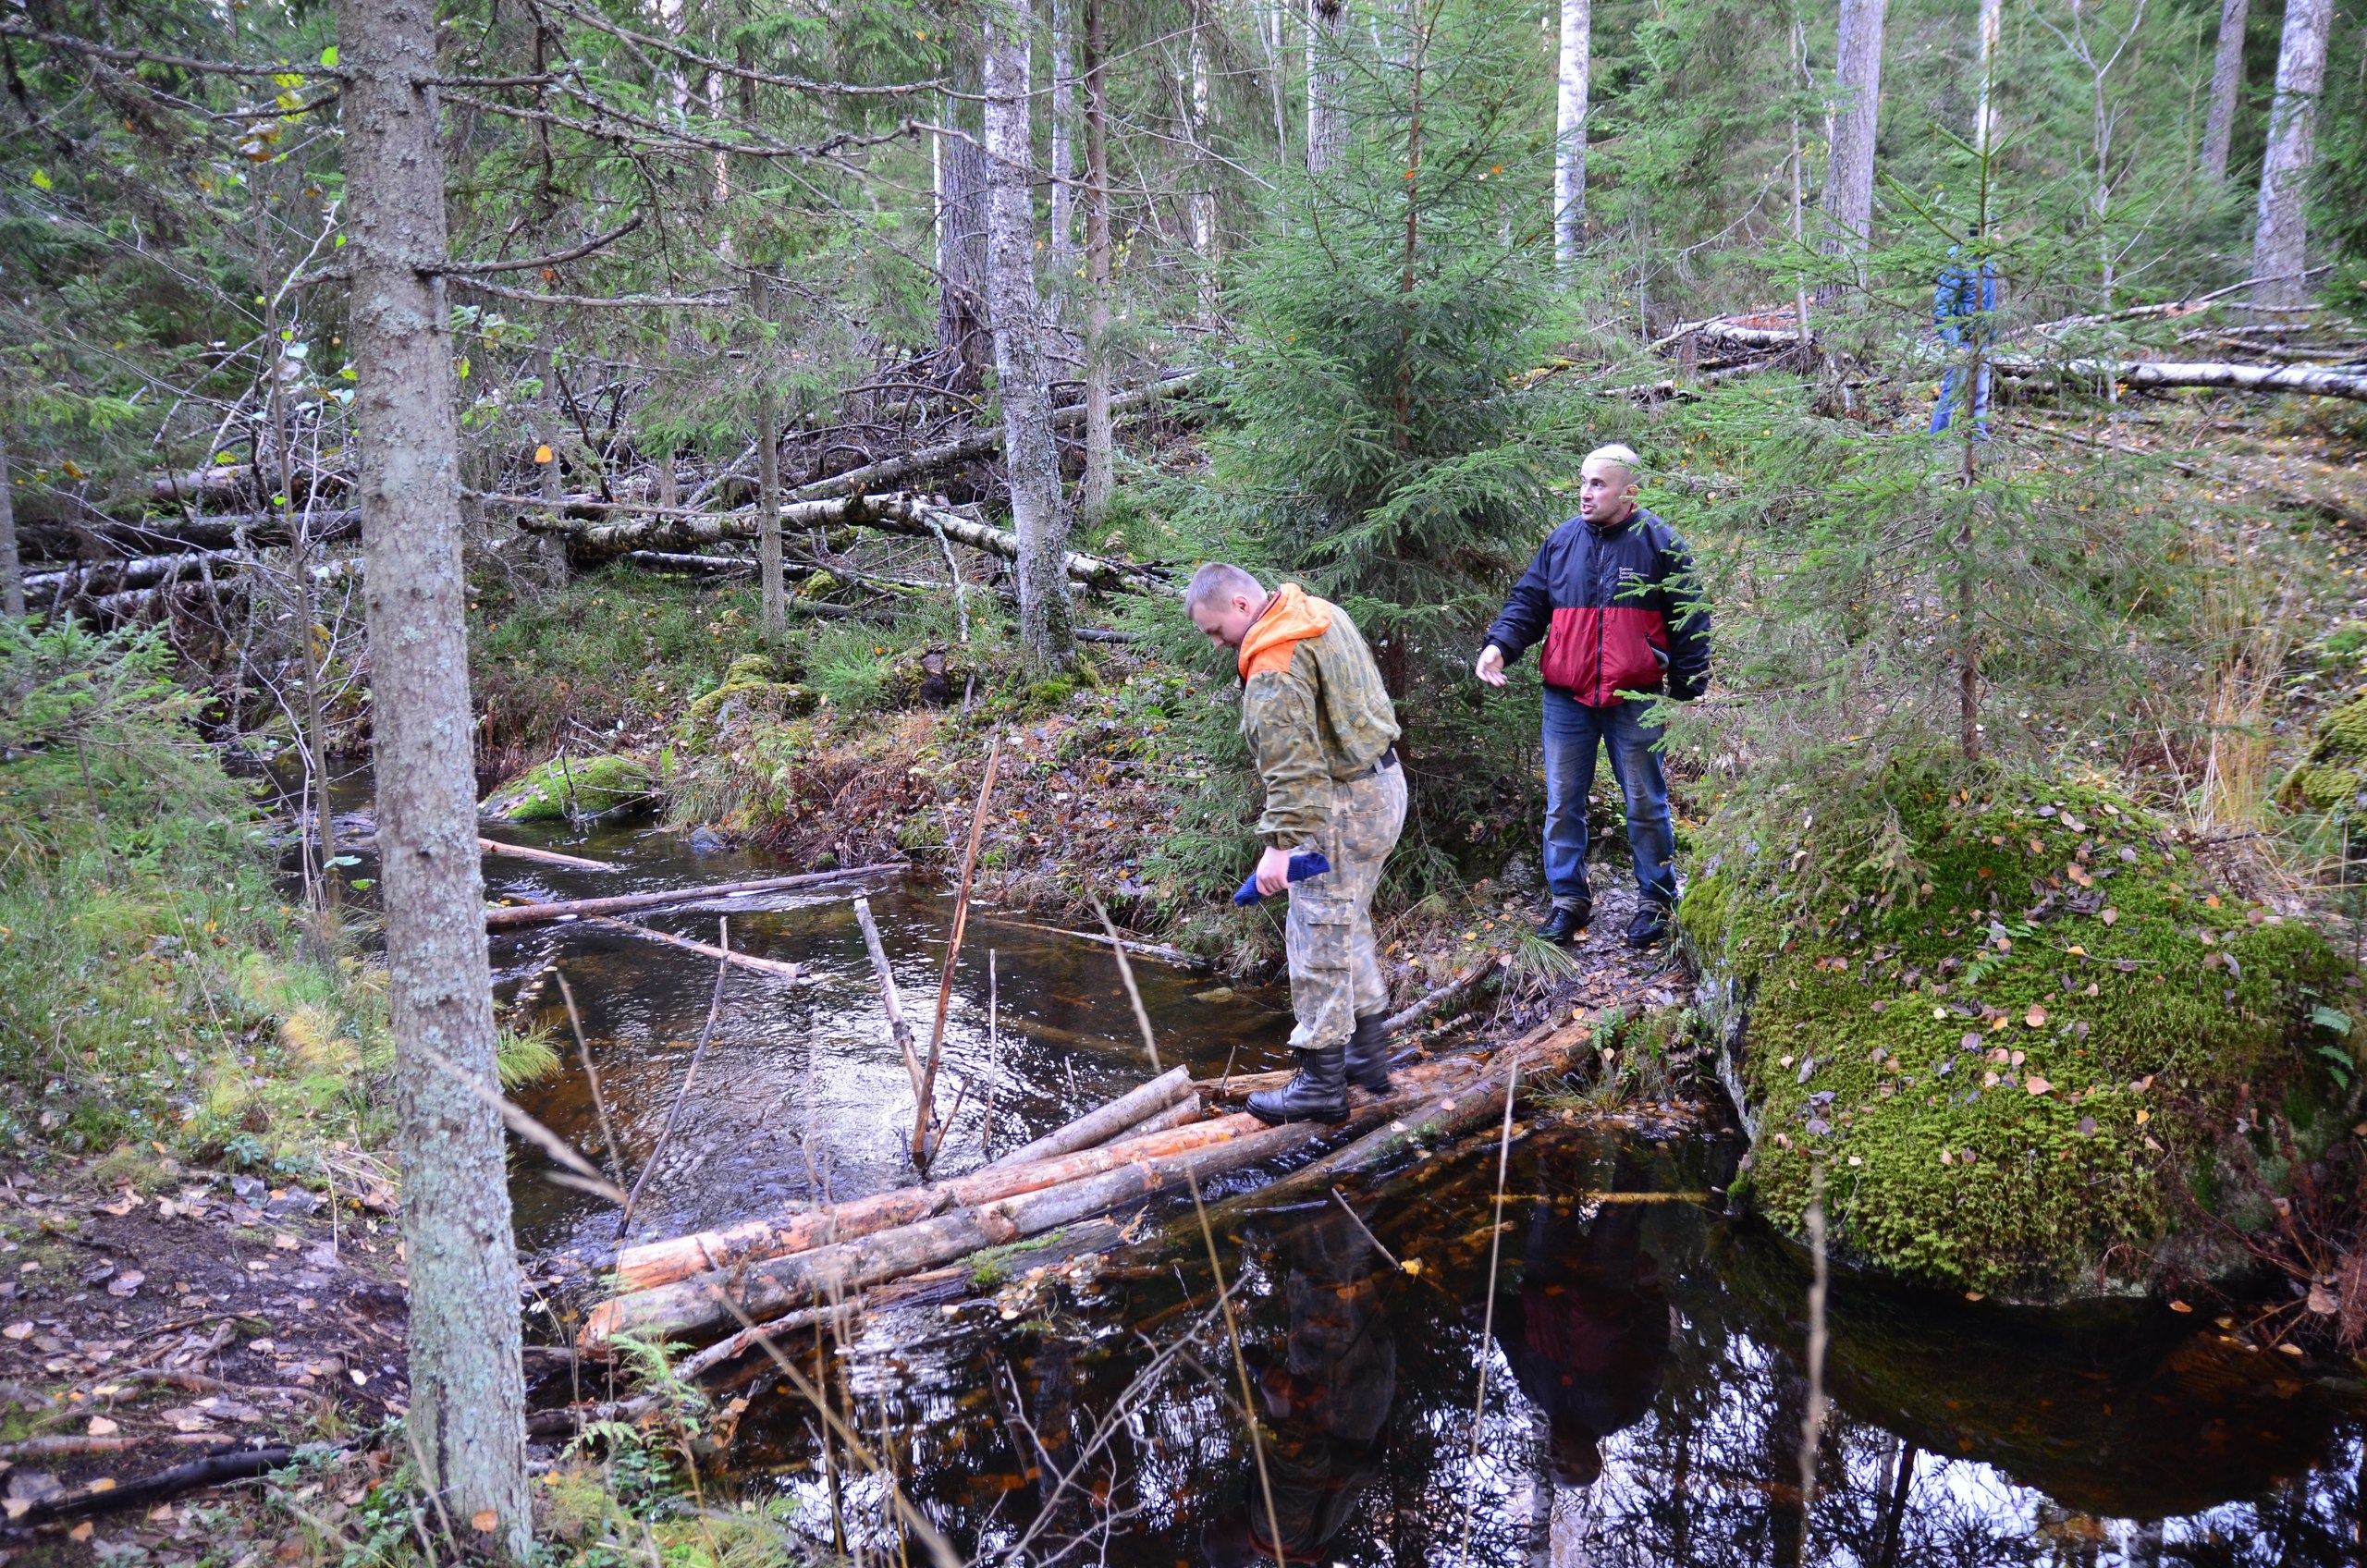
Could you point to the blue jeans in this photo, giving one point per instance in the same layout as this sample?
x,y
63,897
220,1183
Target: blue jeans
x,y
1573,733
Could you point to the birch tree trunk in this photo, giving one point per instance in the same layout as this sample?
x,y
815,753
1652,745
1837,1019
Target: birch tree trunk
x,y
467,1421
1984,121
1204,193
2280,237
1045,630
1326,31
12,571
1101,437
1849,184
1063,141
1570,133
2226,87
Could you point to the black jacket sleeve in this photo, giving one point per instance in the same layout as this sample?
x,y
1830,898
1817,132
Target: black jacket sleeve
x,y
1529,611
1686,610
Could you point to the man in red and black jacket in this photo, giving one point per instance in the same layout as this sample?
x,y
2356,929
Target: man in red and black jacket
x,y
1612,594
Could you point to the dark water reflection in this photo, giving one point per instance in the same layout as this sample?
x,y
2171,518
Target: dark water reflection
x,y
1642,1397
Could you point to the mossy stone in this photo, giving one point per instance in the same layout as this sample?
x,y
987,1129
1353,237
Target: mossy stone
x,y
1875,978
754,683
596,786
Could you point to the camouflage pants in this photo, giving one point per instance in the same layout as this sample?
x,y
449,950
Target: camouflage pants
x,y
1335,974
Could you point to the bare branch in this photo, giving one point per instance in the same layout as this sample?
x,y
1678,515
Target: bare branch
x,y
525,264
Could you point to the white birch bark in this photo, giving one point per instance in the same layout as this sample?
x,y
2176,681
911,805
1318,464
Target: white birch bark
x,y
1984,120
467,1421
1570,133
2226,87
1045,629
1203,194
2280,237
1326,33
1849,187
1063,141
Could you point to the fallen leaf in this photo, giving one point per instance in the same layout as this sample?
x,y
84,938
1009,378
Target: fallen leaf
x,y
483,1521
2143,1115
80,1532
2038,1085
1412,1266
2086,1126
101,1427
2110,917
104,1484
2181,1306
286,1243
1855,1161
2322,1300
2036,1017
1974,1295
25,1331
1946,1157
126,1284
2210,902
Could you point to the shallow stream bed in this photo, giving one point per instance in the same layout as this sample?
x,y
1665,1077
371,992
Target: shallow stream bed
x,y
1642,1357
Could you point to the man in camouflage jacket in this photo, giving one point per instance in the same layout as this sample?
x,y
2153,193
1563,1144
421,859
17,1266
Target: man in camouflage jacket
x,y
1320,726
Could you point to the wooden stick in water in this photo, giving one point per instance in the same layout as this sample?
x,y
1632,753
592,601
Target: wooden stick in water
x,y
714,1010
503,918
550,857
895,1003
952,955
1107,1121
994,1061
743,960
591,1076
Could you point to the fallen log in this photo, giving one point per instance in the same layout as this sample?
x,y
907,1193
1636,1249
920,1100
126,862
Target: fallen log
x,y
548,857
2167,375
654,1264
135,603
214,1470
1159,951
504,917
838,1271
66,542
837,1318
1182,1113
895,470
737,959
1104,1122
893,514
1453,990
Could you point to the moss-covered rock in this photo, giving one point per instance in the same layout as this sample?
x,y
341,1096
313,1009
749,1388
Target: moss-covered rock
x,y
2009,1020
577,786
754,685
2334,775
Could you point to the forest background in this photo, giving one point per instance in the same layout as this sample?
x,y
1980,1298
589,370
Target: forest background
x,y
1382,274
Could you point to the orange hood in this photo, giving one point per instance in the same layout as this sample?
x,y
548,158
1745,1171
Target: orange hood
x,y
1290,618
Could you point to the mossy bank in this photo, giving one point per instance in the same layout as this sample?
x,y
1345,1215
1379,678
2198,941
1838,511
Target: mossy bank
x,y
2037,1051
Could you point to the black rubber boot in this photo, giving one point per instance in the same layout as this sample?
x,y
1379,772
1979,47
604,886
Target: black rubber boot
x,y
1564,924
1319,1093
1368,1056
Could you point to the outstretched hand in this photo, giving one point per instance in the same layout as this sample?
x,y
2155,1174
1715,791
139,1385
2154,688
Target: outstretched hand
x,y
1491,668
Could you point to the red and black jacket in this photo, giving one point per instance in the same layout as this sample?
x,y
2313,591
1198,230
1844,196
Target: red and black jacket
x,y
1619,609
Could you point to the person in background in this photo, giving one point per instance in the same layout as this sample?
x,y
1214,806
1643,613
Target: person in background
x,y
1611,592
1964,307
1323,733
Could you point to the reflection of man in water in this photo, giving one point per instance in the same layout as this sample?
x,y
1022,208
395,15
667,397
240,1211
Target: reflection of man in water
x,y
1326,1401
1588,1335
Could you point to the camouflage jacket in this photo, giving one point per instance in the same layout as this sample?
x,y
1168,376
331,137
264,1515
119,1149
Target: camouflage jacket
x,y
1313,709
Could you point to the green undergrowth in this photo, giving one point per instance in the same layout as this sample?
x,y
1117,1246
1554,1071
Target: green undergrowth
x,y
2332,773
157,998
2005,1014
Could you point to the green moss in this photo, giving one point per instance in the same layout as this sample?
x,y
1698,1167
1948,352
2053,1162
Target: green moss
x,y
577,786
1887,963
752,685
2334,774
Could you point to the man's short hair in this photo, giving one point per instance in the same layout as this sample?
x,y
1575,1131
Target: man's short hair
x,y
1218,581
1625,455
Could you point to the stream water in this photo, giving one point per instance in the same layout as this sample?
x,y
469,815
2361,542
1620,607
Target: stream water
x,y
1641,1355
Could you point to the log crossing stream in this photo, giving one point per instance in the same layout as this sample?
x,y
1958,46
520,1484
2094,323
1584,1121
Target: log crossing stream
x,y
1643,1391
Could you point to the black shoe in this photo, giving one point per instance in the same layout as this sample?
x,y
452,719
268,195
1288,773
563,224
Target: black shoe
x,y
1649,925
1368,1056
1565,923
1319,1093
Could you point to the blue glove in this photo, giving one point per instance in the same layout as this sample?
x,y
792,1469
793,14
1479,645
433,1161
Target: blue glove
x,y
1311,863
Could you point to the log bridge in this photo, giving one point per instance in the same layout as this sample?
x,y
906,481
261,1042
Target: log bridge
x,y
780,1269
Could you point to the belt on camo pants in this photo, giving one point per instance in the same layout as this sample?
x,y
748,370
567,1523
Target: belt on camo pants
x,y
1387,759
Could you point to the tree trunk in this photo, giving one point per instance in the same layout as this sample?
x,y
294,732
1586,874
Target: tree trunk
x,y
2280,237
554,551
1064,142
776,613
1984,120
2226,87
1204,189
1570,133
467,1421
12,574
1046,631
962,262
1849,184
1326,33
1101,441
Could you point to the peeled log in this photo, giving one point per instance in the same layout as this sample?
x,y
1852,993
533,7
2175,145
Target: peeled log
x,y
2141,374
837,1272
1104,1122
1182,1113
656,1264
